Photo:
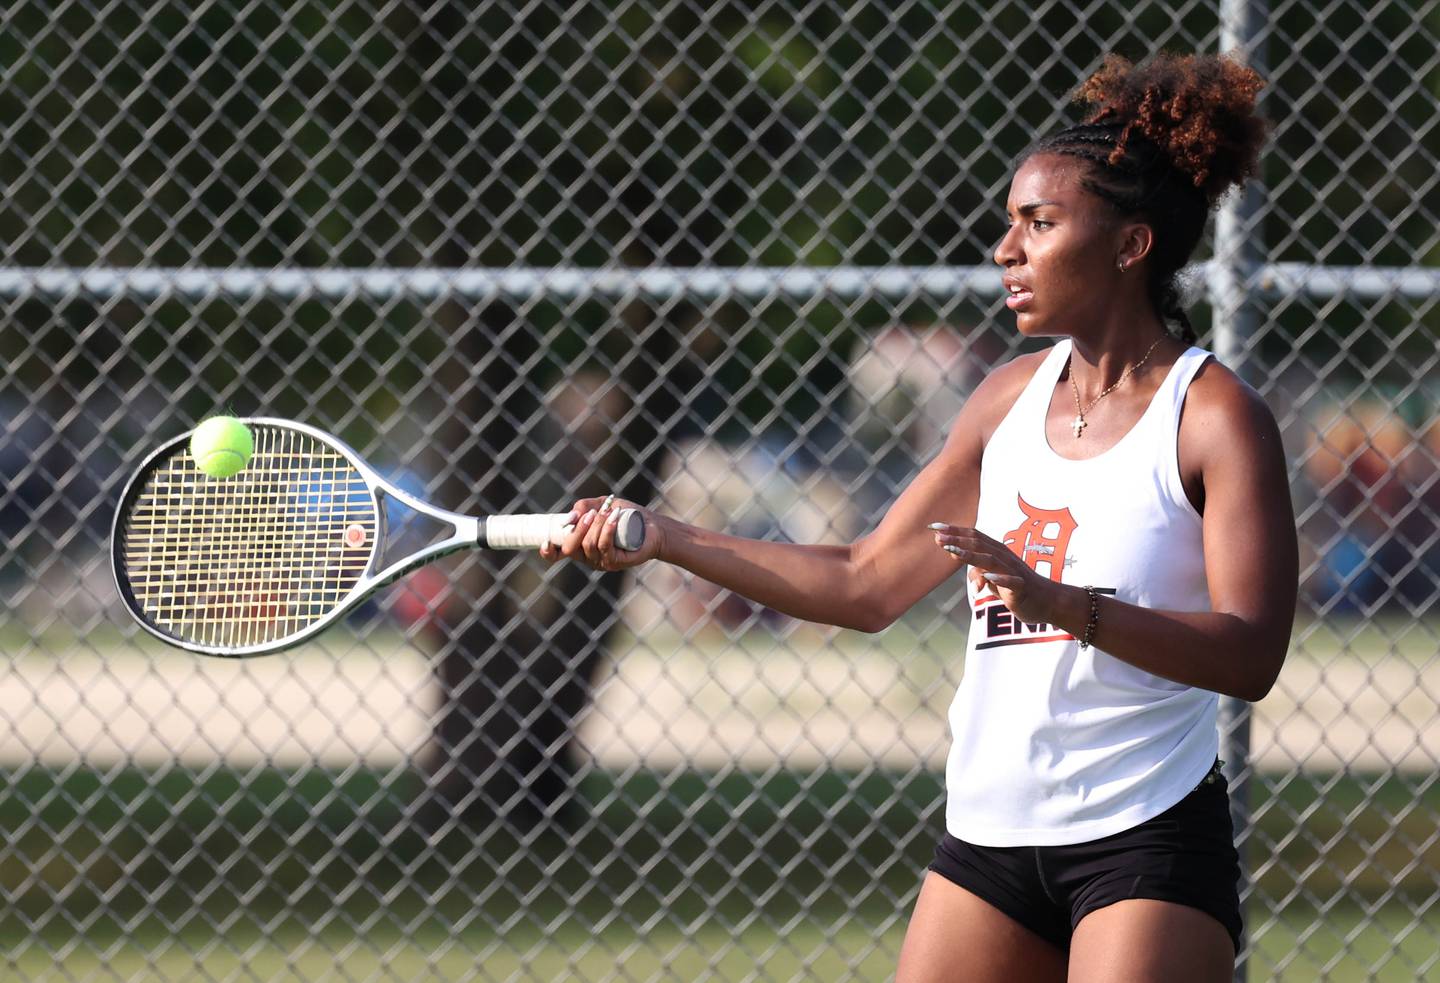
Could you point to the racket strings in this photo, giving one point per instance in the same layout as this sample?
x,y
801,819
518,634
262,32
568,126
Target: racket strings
x,y
255,558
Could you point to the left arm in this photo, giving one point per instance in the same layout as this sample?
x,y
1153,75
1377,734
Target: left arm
x,y
1229,439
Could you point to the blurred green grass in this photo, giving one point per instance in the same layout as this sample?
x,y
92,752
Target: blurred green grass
x,y
315,874
928,631
1346,945
263,873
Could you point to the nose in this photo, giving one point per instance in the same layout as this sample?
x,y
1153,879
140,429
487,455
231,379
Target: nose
x,y
1007,253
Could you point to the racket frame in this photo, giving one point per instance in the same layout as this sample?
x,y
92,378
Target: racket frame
x,y
466,533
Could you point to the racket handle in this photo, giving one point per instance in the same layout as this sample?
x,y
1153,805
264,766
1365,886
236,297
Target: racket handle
x,y
530,532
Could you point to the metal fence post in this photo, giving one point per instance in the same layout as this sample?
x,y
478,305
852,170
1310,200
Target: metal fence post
x,y
1236,319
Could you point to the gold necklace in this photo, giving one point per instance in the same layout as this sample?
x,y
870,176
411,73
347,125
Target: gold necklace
x,y
1078,424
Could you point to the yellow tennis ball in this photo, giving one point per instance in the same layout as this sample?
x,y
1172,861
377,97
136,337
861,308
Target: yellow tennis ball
x,y
221,446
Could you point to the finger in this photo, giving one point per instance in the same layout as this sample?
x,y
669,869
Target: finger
x,y
969,539
580,507
947,529
582,533
609,559
591,543
959,554
570,545
987,581
988,541
956,537
577,542
996,556
976,558
963,555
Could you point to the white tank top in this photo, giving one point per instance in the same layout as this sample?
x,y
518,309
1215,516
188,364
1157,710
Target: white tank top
x,y
1052,744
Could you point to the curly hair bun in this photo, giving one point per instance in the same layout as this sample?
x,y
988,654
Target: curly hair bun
x,y
1198,110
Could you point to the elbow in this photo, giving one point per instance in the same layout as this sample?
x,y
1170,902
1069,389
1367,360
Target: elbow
x,y
869,602
1258,689
871,618
871,626
1261,680
1251,692
1247,688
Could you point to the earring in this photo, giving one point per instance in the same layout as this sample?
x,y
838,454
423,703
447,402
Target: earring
x,y
1121,267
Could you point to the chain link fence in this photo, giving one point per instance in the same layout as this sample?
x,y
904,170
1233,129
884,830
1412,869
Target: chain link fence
x,y
729,258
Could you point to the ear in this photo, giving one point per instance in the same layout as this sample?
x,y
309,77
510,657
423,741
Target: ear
x,y
1133,243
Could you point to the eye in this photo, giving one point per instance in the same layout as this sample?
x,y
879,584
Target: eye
x,y
1040,223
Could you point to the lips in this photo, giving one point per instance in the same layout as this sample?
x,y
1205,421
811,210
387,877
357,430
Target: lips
x,y
1019,294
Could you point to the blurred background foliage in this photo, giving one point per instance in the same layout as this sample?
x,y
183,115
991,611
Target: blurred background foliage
x,y
323,134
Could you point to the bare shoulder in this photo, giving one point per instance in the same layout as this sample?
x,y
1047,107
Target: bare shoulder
x,y
983,412
1221,407
998,391
1225,425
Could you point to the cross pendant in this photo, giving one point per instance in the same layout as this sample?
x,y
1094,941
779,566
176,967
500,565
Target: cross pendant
x,y
1078,424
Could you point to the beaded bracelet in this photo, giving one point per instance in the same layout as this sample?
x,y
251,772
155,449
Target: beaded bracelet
x,y
1089,634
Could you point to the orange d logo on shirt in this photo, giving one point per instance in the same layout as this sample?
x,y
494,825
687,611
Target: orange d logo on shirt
x,y
1042,537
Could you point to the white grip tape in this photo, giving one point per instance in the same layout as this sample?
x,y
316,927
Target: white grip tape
x,y
524,532
530,532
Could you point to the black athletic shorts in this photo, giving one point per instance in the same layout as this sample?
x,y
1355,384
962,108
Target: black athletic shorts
x,y
1185,855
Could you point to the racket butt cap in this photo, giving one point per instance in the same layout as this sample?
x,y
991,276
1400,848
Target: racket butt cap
x,y
630,530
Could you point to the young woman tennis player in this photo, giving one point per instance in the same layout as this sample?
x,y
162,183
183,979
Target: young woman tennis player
x,y
1120,501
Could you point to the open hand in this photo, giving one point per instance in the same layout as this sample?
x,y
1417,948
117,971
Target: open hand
x,y
1027,595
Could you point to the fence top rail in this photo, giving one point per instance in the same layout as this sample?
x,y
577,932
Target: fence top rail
x,y
1268,281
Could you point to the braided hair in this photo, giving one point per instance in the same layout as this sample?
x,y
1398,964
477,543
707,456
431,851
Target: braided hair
x,y
1164,142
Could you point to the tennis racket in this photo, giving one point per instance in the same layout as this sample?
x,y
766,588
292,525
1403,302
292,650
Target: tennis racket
x,y
263,560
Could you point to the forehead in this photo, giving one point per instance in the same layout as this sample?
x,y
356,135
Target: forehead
x,y
1047,177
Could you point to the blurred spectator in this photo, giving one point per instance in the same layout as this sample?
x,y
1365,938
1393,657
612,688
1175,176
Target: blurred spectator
x,y
907,385
755,490
1376,485
1418,528
61,472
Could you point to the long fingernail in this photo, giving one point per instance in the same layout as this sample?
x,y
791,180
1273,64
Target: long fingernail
x,y
588,516
937,526
955,550
612,518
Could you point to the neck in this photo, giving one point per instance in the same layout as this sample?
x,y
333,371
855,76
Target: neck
x,y
1099,361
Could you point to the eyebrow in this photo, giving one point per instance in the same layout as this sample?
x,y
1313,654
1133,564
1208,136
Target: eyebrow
x,y
1030,206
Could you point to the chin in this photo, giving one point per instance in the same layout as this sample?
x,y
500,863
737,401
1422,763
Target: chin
x,y
1031,326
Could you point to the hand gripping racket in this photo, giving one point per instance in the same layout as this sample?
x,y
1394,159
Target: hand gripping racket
x,y
274,555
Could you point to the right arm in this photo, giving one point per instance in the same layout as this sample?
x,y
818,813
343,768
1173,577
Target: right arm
x,y
866,585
